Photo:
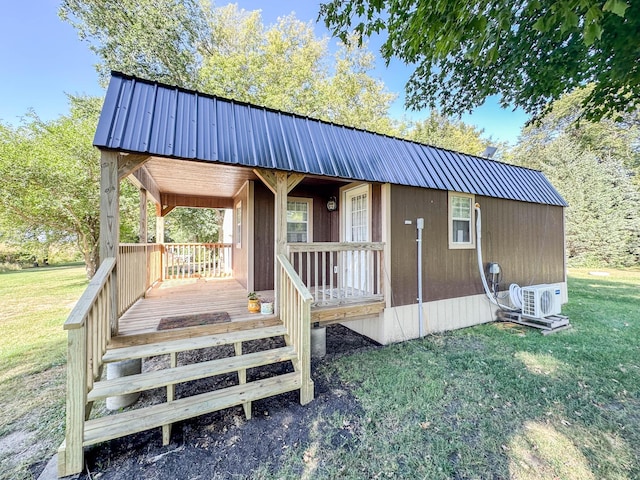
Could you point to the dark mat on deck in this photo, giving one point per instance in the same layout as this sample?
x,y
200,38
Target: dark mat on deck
x,y
194,320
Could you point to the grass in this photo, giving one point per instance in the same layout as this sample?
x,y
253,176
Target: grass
x,y
498,401
35,304
494,401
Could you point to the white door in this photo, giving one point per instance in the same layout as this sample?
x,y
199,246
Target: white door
x,y
357,228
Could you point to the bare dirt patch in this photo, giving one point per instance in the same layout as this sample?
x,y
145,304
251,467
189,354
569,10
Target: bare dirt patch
x,y
225,445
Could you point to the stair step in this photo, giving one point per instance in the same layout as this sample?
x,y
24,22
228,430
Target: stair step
x,y
195,343
158,336
187,373
133,421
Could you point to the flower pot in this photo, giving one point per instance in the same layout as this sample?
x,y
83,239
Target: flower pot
x,y
266,308
254,305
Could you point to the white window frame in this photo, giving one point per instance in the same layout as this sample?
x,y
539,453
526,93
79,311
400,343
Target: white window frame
x,y
453,245
309,202
238,224
346,192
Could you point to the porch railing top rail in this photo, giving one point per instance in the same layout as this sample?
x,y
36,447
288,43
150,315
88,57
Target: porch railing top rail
x,y
82,308
334,246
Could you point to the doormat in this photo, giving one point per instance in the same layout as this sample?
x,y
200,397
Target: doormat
x,y
194,320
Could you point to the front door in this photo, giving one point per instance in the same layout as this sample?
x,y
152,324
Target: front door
x,y
357,228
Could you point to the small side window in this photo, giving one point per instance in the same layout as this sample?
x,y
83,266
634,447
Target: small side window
x,y
461,217
299,224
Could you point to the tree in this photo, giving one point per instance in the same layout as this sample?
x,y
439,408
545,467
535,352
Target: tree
x,y
592,166
155,40
50,179
229,52
606,138
189,225
287,68
529,53
444,132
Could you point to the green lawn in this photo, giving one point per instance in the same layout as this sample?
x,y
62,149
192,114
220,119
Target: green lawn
x,y
494,401
498,401
34,305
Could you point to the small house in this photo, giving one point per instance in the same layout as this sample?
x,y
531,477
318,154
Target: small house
x,y
322,218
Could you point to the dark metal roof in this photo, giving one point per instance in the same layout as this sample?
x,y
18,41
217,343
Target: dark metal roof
x,y
148,117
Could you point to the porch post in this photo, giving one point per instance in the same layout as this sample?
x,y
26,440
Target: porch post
x,y
143,216
281,191
159,224
110,224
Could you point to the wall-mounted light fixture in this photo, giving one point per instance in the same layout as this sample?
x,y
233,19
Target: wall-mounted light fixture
x,y
332,204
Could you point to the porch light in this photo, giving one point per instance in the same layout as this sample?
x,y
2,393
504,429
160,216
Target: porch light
x,y
332,204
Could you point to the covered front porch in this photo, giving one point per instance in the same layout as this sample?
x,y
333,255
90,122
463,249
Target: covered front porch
x,y
200,287
308,239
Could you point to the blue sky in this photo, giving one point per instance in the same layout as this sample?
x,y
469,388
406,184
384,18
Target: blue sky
x,y
42,59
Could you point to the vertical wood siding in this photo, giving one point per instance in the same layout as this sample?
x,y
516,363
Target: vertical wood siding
x,y
526,239
326,225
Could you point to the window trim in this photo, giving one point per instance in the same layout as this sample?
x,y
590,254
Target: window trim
x,y
309,202
472,233
238,224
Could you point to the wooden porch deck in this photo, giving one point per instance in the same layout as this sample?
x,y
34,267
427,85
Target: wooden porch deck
x,y
186,297
194,296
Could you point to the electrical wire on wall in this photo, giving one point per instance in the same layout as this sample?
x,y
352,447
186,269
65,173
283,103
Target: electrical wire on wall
x,y
514,289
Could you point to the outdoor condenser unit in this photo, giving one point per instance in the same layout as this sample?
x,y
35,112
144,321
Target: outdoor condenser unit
x,y
540,301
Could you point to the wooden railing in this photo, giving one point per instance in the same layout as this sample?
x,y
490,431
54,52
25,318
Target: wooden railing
x,y
188,260
337,273
88,330
139,267
295,313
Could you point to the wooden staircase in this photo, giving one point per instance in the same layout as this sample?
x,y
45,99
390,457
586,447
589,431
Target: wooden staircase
x,y
90,345
175,410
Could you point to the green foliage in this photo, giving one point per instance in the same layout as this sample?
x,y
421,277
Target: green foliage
x,y
229,52
593,165
441,131
529,53
193,225
155,40
51,175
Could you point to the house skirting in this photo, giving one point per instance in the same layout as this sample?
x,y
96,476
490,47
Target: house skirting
x,y
397,324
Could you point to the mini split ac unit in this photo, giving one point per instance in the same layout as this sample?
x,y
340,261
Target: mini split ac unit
x,y
540,301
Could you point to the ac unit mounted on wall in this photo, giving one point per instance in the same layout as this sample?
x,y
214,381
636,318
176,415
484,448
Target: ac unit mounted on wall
x,y
540,301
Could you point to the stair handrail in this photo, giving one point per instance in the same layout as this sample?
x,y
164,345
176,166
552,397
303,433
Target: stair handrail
x,y
88,331
295,313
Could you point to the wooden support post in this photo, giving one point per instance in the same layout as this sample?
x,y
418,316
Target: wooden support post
x,y
159,224
110,224
143,216
281,191
242,379
71,453
171,391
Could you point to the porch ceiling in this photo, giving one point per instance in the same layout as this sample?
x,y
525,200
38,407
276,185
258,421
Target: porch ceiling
x,y
200,179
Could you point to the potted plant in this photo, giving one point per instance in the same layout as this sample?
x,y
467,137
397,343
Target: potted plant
x,y
266,306
254,302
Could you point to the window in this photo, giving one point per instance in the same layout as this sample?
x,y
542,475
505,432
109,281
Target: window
x,y
299,213
239,225
461,215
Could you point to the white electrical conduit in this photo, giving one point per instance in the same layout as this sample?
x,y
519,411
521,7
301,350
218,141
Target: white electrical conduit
x,y
481,266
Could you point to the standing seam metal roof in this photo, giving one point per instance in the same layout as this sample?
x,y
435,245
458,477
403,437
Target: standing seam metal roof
x,y
148,117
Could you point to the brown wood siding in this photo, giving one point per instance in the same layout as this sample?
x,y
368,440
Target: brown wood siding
x,y
526,239
264,237
326,225
376,212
